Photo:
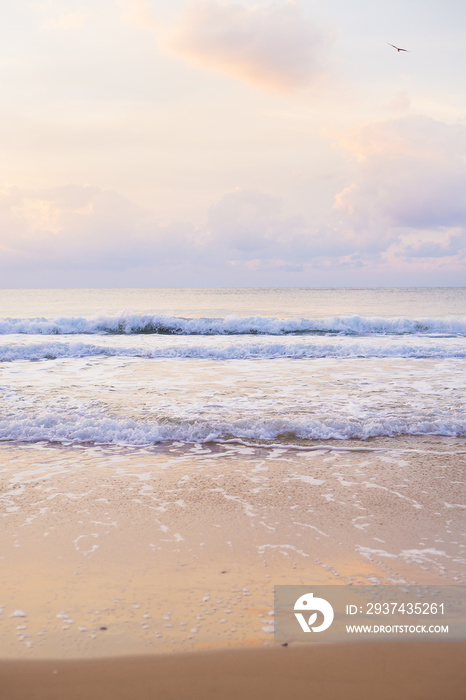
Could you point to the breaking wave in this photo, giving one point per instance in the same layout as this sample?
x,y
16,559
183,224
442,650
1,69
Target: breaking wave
x,y
129,324
106,430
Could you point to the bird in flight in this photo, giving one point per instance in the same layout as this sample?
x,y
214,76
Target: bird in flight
x,y
397,47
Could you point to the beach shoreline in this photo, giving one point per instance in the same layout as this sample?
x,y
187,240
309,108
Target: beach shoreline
x,y
116,552
164,470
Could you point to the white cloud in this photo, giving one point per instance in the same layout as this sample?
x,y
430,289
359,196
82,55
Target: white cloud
x,y
410,177
274,46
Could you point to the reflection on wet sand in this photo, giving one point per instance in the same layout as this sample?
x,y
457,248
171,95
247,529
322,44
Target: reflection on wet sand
x,y
114,550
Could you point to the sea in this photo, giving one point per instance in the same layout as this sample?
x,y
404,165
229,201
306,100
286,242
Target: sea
x,y
153,367
167,456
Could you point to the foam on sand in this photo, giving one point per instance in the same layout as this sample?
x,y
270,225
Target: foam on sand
x,y
52,350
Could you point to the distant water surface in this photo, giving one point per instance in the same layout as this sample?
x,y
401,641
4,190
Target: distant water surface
x,y
280,303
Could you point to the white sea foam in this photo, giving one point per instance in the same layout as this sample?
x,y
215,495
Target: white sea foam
x,y
128,323
86,427
297,373
238,351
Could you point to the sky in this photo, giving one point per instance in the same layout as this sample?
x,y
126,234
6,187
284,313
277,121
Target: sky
x,y
217,143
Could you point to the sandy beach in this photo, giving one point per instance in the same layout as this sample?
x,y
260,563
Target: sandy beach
x,y
123,578
156,488
326,672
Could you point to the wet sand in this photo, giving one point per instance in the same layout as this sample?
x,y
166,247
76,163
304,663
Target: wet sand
x,y
115,552
145,573
355,671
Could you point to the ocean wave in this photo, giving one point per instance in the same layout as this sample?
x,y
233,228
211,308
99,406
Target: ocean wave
x,y
107,430
246,351
129,324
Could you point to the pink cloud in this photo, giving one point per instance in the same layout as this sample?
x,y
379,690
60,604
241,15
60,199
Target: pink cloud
x,y
87,235
411,175
274,46
417,136
248,225
84,227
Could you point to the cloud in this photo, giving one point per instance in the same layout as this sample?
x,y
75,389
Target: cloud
x,y
417,136
430,250
410,177
249,225
274,46
86,228
86,236
83,227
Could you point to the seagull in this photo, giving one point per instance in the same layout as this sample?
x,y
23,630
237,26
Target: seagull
x,y
397,47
